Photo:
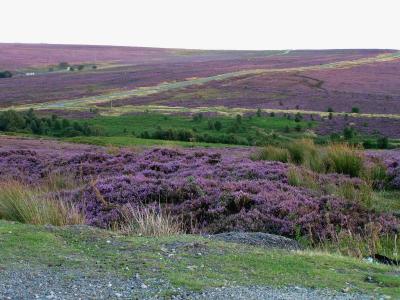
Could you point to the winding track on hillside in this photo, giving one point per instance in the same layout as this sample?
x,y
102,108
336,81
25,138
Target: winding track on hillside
x,y
85,102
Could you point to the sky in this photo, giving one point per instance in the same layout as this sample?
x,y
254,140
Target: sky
x,y
205,24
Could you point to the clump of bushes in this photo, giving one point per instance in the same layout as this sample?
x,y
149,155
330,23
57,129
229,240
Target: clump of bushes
x,y
29,122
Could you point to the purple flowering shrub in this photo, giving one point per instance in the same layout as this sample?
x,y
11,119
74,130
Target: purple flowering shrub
x,y
210,190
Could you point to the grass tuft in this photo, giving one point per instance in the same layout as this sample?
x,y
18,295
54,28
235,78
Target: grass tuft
x,y
149,221
272,153
21,203
344,159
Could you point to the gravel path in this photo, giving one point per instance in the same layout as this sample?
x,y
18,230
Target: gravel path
x,y
261,239
285,293
71,284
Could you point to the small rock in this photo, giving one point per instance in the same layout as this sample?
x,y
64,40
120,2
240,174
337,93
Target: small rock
x,y
346,290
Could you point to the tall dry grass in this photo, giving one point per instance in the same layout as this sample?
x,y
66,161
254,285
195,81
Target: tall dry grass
x,y
22,203
368,243
344,159
149,221
335,158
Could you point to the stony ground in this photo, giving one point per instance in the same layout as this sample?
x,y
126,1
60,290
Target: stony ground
x,y
81,262
31,283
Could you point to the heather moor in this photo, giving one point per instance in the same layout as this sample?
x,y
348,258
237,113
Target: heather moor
x,y
152,173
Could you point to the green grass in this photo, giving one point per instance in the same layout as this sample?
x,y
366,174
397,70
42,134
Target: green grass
x,y
93,251
130,141
386,201
255,129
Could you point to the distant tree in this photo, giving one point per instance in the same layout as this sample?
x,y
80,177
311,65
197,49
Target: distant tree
x,y
10,120
272,114
218,125
198,117
80,67
330,116
63,65
94,67
355,110
57,125
259,112
330,109
348,132
382,142
298,117
211,125
238,119
65,123
6,74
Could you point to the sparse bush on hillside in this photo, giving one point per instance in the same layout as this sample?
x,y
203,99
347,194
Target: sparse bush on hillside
x,y
5,74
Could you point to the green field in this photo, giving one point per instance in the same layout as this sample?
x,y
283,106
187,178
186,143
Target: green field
x,y
247,130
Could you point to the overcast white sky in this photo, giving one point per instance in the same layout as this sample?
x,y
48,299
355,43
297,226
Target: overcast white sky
x,y
205,24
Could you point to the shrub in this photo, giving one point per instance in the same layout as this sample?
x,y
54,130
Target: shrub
x,y
148,221
6,74
63,65
298,117
23,204
349,132
218,125
382,142
198,117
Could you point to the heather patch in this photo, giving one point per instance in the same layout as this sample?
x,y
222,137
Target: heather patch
x,y
209,190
